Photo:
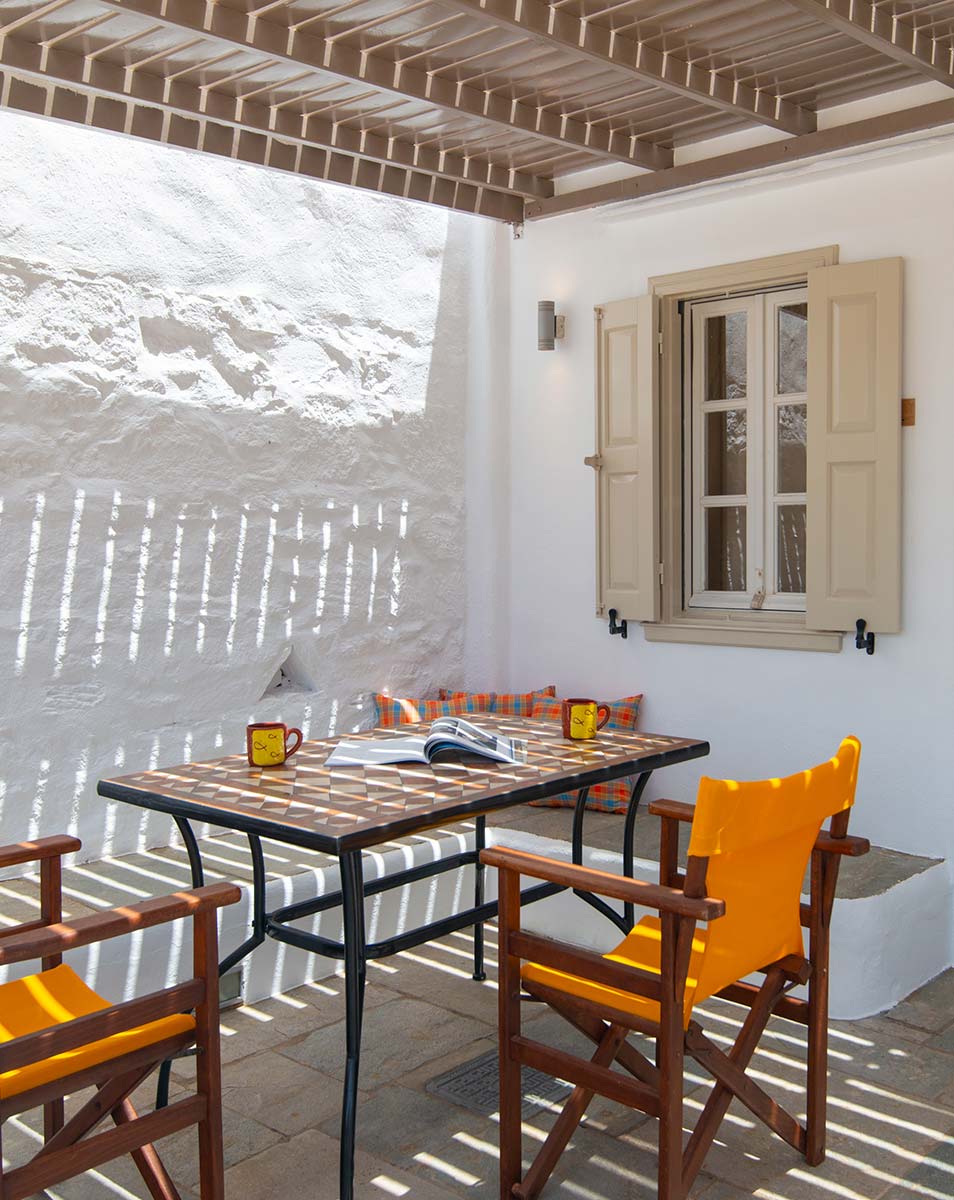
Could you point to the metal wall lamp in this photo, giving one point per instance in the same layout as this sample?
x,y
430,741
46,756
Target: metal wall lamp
x,y
549,325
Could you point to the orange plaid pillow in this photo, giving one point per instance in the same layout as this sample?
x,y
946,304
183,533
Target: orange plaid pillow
x,y
521,704
604,797
392,710
477,701
509,704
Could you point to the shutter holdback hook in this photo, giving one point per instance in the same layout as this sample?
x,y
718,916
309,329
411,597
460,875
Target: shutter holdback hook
x,y
863,641
616,626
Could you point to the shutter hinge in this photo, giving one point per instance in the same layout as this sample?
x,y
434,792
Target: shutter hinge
x,y
659,336
593,460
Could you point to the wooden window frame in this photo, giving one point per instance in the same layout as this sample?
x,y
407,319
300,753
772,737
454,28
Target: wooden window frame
x,y
774,629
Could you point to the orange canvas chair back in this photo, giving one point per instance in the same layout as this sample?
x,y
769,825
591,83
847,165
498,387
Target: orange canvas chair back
x,y
758,838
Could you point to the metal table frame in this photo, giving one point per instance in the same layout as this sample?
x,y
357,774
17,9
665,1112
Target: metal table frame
x,y
355,950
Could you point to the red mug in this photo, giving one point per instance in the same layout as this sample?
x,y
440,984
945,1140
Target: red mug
x,y
583,718
267,743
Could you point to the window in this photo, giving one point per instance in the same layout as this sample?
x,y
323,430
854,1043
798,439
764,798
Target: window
x,y
746,393
748,452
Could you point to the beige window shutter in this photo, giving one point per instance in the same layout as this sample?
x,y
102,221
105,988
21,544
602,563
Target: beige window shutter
x,y
854,446
625,460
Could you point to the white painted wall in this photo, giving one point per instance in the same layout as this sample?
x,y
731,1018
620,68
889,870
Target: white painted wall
x,y
241,415
764,711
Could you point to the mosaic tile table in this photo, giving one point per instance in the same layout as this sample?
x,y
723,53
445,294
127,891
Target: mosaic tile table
x,y
345,810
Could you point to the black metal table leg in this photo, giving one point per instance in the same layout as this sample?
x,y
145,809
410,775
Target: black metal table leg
x,y
628,831
480,840
352,895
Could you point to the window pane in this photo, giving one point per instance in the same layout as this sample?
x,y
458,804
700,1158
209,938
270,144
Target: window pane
x,y
791,547
726,357
792,349
725,453
725,549
792,438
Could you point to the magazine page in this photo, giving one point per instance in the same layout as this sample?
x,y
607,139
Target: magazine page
x,y
454,733
379,751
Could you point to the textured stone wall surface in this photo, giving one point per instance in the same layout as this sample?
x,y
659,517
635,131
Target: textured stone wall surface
x,y
233,463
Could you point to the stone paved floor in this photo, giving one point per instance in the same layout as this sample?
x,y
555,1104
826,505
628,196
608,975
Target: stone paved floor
x,y
891,1111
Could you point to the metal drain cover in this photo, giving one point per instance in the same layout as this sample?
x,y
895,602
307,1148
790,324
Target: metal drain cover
x,y
475,1085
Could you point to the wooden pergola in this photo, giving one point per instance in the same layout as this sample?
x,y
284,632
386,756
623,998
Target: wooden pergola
x,y
481,106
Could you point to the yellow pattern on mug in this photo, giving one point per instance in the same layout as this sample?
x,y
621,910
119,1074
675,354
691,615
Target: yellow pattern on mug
x,y
583,718
268,747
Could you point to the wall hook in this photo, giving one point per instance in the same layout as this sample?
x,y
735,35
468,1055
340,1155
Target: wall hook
x,y
863,641
616,626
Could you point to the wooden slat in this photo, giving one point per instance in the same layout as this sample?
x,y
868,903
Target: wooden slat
x,y
893,37
755,1099
305,47
740,162
257,149
57,939
49,847
560,28
49,1169
575,961
148,1056
577,1071
618,887
172,94
81,1031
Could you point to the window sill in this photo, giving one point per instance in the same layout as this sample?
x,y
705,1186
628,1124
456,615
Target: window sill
x,y
767,635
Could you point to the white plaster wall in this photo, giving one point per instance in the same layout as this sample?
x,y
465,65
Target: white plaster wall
x,y
241,414
764,711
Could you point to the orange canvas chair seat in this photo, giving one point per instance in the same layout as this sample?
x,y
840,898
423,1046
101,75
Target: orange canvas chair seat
x,y
736,912
52,998
640,948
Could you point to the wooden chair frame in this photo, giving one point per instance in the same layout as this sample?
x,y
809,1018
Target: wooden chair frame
x,y
67,1150
657,1087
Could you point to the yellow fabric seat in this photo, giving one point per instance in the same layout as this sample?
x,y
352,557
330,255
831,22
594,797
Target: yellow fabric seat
x,y
640,948
54,997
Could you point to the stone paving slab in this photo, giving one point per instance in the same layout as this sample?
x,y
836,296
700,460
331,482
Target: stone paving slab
x,y
891,1125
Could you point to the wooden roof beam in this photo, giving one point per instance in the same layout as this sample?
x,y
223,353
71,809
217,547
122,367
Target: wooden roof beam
x,y
889,35
47,98
562,30
304,47
756,158
188,100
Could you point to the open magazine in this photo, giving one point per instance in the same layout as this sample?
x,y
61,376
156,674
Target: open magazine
x,y
447,734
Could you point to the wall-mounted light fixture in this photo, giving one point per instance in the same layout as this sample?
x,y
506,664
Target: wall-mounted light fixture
x,y
549,325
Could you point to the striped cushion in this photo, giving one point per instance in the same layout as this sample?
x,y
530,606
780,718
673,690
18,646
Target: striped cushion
x,y
477,701
508,704
604,797
521,704
393,711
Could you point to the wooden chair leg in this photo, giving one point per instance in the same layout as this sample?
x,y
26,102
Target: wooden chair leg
x,y
54,1114
508,999
741,1054
556,1142
670,1048
149,1164
208,1059
817,1082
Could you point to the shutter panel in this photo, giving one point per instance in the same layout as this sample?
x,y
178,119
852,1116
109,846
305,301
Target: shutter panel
x,y
854,446
626,506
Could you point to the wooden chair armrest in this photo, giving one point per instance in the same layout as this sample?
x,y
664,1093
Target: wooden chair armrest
x,y
618,887
71,935
48,847
678,810
853,847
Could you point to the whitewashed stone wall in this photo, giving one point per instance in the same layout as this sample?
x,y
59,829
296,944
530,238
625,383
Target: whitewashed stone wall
x,y
237,414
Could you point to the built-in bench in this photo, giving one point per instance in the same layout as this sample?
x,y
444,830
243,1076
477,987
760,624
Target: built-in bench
x,y
893,928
